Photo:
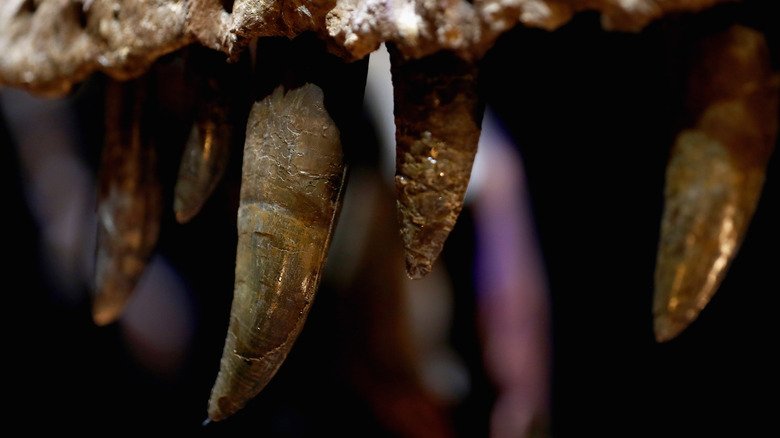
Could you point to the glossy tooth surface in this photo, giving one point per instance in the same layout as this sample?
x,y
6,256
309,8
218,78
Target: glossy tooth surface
x,y
715,174
129,199
438,115
293,173
220,87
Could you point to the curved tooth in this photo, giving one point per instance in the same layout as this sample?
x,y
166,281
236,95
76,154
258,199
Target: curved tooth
x,y
129,199
715,175
218,105
438,115
293,173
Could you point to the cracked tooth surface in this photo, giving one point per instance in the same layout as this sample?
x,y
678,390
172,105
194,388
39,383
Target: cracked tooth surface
x,y
293,173
129,199
438,117
715,174
218,108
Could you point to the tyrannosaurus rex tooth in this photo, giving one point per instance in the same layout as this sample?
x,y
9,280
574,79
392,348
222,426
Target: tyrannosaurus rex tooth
x,y
715,174
218,108
438,118
129,199
293,174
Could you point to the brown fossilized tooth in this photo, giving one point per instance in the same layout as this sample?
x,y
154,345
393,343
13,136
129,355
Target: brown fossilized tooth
x,y
293,173
202,165
438,117
129,199
715,174
206,153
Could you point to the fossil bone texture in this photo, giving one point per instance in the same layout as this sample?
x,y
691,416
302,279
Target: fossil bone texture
x,y
294,166
48,45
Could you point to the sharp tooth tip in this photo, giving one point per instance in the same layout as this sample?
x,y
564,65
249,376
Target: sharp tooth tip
x,y
667,327
181,217
219,409
110,300
417,269
182,213
677,306
662,337
103,315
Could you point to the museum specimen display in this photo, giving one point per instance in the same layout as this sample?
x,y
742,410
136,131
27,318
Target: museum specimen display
x,y
286,80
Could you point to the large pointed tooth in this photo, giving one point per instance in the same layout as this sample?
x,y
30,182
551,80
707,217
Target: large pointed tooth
x,y
438,115
293,175
291,186
129,199
715,175
218,105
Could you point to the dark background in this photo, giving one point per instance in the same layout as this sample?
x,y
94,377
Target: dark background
x,y
594,115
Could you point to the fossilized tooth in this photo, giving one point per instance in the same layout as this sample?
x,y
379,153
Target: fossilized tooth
x,y
129,199
715,174
293,173
221,87
203,163
438,114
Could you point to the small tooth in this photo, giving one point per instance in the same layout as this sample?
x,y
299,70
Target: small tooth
x,y
715,174
438,114
206,153
129,200
202,165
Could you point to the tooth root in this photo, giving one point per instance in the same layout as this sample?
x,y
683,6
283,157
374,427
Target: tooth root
x,y
438,114
207,149
293,173
129,200
715,174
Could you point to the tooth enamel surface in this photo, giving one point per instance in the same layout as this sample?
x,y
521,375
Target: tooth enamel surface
x,y
715,174
290,194
129,200
220,103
